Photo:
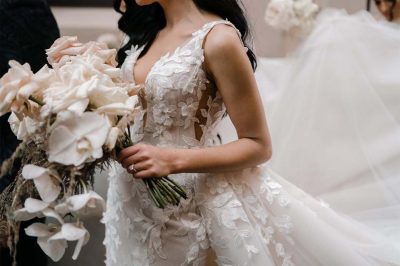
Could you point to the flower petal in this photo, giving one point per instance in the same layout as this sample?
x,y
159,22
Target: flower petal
x,y
45,184
54,249
66,139
81,242
91,200
47,188
112,138
31,171
24,215
69,232
61,147
38,230
35,205
51,213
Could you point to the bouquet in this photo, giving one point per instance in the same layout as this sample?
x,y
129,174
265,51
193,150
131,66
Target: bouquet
x,y
72,119
295,16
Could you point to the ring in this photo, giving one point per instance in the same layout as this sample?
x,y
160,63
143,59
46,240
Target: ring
x,y
132,168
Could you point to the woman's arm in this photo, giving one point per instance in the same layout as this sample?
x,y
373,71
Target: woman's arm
x,y
227,62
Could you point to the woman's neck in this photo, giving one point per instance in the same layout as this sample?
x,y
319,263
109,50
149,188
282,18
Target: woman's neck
x,y
182,13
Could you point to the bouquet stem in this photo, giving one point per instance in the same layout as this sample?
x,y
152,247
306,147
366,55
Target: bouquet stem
x,y
162,191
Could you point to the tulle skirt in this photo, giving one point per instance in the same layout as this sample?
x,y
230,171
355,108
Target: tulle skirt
x,y
252,217
334,114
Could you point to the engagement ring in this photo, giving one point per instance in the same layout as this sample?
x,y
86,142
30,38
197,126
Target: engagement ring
x,y
132,168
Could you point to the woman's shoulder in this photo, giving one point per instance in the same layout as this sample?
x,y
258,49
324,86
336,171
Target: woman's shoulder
x,y
222,40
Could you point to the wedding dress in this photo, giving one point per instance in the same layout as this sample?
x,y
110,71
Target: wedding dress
x,y
251,217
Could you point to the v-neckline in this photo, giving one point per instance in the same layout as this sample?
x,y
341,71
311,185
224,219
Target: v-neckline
x,y
171,53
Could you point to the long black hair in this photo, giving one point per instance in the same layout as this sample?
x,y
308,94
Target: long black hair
x,y
142,23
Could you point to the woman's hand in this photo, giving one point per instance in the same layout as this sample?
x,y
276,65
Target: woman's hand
x,y
146,161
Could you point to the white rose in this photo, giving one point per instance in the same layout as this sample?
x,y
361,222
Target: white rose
x,y
101,50
305,8
19,84
16,77
281,14
66,45
72,96
81,82
292,15
77,139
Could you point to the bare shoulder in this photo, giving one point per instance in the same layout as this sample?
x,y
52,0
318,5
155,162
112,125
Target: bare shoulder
x,y
222,41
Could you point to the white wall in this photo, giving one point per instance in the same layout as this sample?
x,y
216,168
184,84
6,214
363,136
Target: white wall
x,y
89,23
86,23
272,43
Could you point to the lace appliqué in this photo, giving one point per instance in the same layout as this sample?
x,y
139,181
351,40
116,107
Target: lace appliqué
x,y
229,195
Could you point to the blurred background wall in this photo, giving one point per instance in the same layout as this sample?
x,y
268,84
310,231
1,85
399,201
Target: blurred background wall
x,y
90,23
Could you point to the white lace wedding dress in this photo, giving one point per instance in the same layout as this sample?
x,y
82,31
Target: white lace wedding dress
x,y
251,217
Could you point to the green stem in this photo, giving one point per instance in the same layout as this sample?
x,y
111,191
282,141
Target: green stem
x,y
175,194
173,199
151,193
176,187
156,194
159,192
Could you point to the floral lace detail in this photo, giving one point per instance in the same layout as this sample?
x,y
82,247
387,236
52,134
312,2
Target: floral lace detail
x,y
176,89
228,196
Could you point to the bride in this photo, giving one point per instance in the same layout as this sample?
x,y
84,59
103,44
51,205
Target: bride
x,y
194,64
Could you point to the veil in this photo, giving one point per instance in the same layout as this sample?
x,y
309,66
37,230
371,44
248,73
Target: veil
x,y
333,108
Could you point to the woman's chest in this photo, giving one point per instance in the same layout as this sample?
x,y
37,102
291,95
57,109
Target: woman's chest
x,y
176,76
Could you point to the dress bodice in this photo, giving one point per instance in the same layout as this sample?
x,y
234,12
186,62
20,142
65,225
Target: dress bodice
x,y
182,106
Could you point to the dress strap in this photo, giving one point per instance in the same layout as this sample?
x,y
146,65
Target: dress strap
x,y
209,26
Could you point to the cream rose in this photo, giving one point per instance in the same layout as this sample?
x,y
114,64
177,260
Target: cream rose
x,y
67,47
16,77
281,14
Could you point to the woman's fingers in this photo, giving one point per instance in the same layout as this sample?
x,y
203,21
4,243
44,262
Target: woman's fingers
x,y
144,174
136,168
134,159
127,152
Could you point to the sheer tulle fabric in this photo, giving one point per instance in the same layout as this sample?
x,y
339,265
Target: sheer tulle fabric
x,y
334,115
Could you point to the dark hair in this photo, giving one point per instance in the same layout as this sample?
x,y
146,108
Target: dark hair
x,y
142,23
392,8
